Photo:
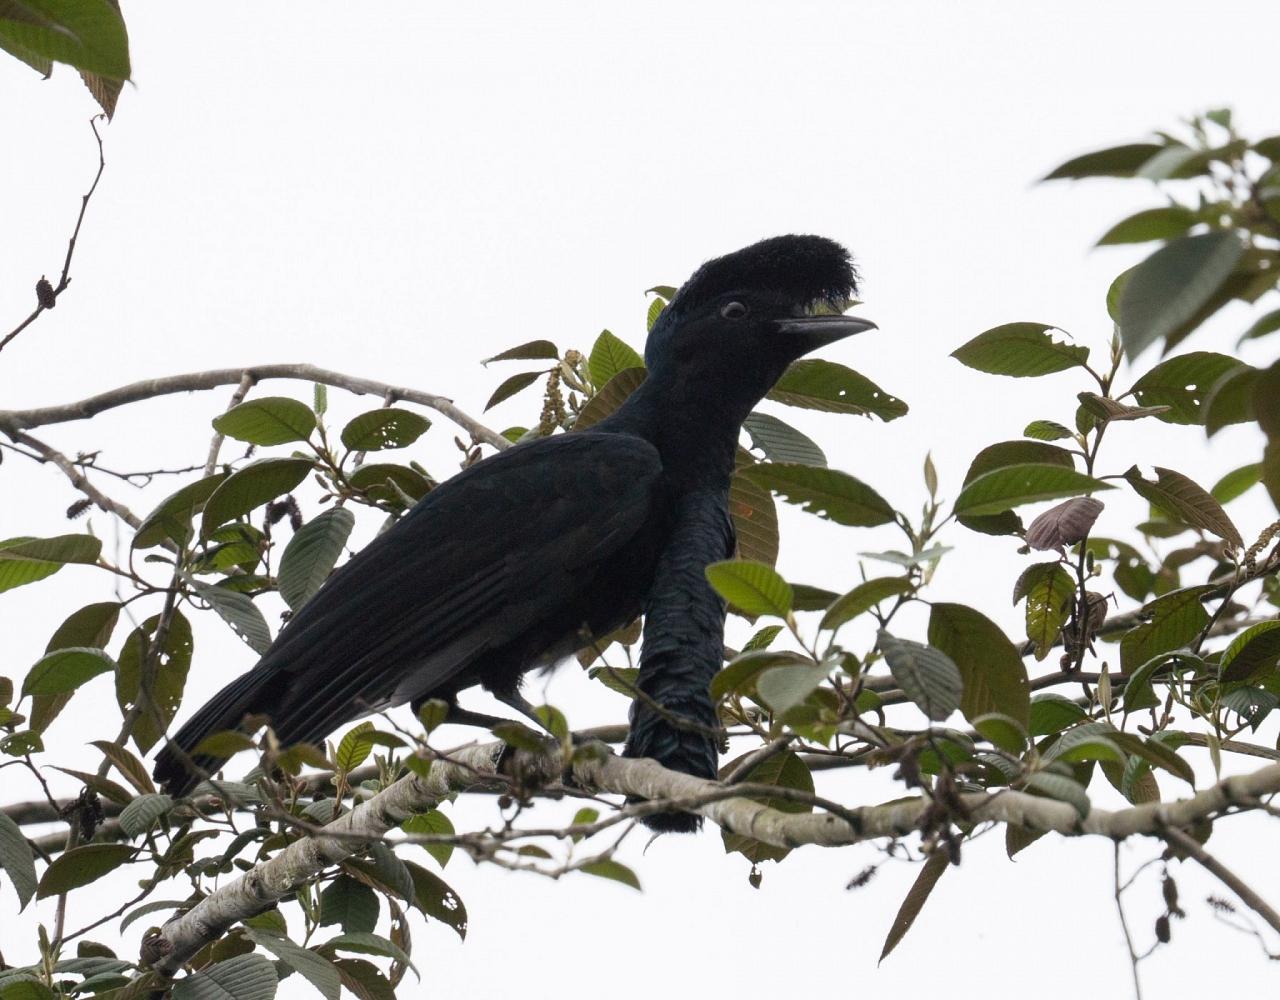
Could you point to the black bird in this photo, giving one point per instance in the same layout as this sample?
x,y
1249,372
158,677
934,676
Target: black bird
x,y
521,559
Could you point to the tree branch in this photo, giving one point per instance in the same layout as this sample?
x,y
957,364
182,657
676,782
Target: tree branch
x,y
17,420
1191,847
604,772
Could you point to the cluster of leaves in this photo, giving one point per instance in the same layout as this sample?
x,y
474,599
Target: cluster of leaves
x,y
1197,661
88,35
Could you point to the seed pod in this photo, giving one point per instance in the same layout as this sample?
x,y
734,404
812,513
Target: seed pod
x,y
44,294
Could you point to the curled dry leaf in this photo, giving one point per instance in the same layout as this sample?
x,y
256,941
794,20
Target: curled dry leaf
x,y
1065,524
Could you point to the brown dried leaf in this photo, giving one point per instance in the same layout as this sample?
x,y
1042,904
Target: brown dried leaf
x,y
1064,524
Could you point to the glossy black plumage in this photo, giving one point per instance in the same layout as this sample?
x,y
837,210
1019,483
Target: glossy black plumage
x,y
522,558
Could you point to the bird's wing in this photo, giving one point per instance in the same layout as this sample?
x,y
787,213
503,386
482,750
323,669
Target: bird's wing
x,y
499,548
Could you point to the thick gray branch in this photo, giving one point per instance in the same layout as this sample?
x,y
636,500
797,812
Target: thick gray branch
x,y
305,859
17,420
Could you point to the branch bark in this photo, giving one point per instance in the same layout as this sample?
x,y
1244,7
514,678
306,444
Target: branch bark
x,y
17,420
604,772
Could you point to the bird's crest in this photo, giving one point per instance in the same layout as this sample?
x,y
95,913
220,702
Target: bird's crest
x,y
806,270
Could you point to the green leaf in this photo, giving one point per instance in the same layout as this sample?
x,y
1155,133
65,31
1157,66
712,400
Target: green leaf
x,y
1008,734
238,611
432,823
814,384
1170,287
755,520
1138,689
87,34
510,386
311,554
762,639
17,860
252,486
1047,430
26,560
434,897
1182,383
1269,323
142,813
386,427
355,747
157,708
1086,742
785,770
389,483
241,977
751,587
171,520
1151,224
1230,400
609,356
918,894
1049,590
615,870
1052,713
1001,455
781,442
653,312
782,688
267,421
1172,621
830,494
929,677
1015,485
366,943
863,598
739,676
351,905
80,866
534,350
1021,350
1256,648
316,969
1062,788
65,670
607,399
994,676
1115,161
1185,501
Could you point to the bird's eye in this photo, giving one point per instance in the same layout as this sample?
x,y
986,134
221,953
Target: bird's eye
x,y
733,310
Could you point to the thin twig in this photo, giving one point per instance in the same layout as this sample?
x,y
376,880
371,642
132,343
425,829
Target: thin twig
x,y
1191,847
1124,923
65,279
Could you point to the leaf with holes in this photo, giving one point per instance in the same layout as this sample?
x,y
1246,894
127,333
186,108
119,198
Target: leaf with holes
x,y
609,356
311,554
1049,590
1182,383
434,897
1021,350
751,587
1185,501
1015,485
1170,287
159,704
814,384
252,486
267,421
238,611
836,496
386,427
929,677
992,671
781,442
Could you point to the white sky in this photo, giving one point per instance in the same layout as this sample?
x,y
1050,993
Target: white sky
x,y
399,196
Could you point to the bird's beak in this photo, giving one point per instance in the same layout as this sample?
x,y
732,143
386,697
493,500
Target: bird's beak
x,y
818,331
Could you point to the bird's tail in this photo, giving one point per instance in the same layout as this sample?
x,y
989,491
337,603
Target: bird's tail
x,y
680,735
178,767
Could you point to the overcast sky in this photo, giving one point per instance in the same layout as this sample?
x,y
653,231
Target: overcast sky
x,y
401,195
